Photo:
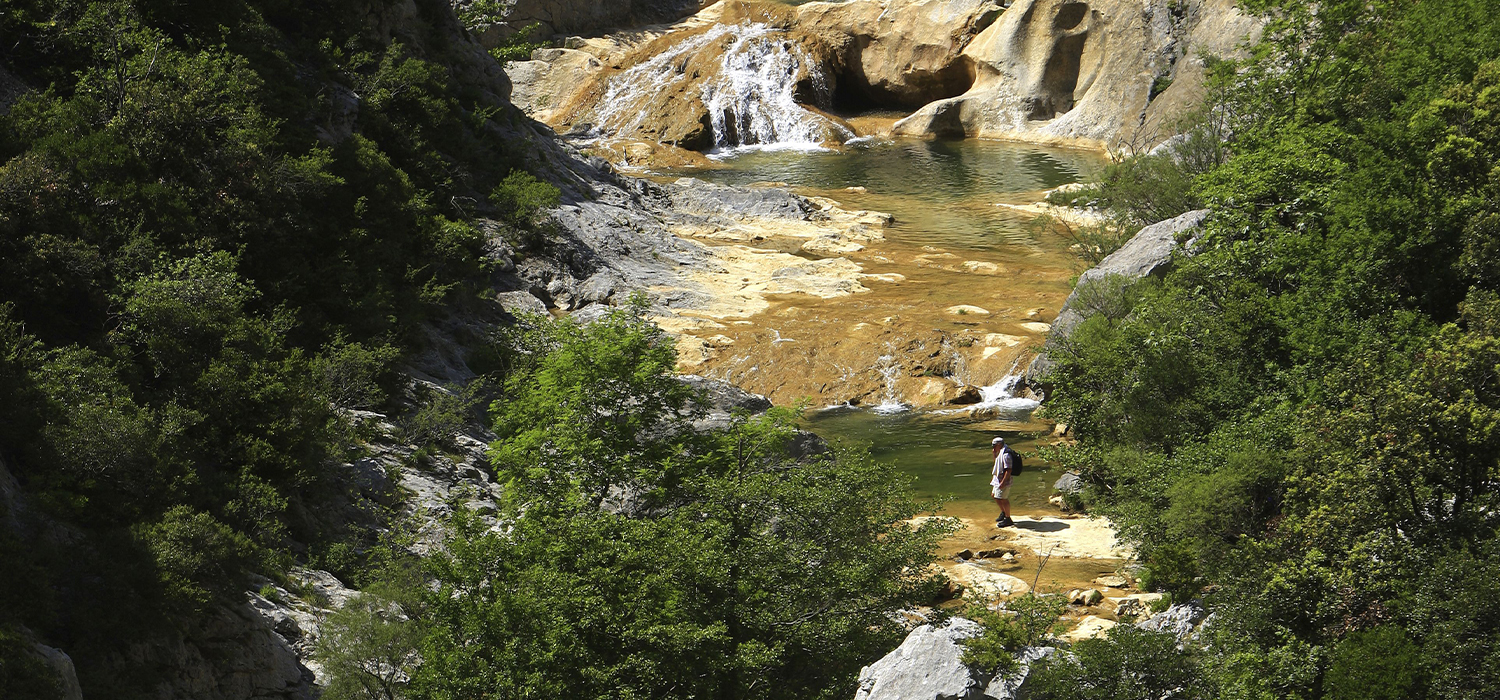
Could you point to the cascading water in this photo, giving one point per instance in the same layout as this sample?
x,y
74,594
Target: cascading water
x,y
753,98
619,110
889,370
750,99
1001,395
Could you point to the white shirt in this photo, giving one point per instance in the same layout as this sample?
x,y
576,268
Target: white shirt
x,y
1002,465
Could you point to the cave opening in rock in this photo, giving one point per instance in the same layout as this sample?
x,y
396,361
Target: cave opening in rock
x,y
1060,74
1070,15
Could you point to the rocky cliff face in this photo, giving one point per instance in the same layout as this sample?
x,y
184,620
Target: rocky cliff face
x,y
902,54
1098,72
1118,74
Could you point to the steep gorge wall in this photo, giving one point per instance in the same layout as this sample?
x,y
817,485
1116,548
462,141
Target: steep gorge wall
x,y
1116,73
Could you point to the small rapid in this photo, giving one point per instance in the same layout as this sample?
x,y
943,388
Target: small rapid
x,y
890,402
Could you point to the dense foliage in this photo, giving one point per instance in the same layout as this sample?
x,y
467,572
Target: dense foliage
x,y
1300,422
220,224
638,557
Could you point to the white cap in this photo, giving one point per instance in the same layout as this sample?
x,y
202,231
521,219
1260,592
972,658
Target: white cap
x,y
998,441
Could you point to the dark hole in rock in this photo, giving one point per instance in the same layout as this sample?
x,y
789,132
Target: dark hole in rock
x,y
1070,15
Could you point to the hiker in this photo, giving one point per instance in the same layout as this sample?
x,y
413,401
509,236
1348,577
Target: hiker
x,y
1000,481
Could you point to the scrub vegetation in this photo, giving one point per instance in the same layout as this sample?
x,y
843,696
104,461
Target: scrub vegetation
x,y
1299,424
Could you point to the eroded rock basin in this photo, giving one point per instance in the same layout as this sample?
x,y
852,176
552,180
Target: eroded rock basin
x,y
954,292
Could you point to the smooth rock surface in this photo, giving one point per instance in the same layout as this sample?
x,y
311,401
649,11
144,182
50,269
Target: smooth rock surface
x,y
904,52
927,666
1086,72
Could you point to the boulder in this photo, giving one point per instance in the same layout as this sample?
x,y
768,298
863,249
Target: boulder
x,y
1068,483
1148,252
1181,620
1085,71
1091,627
1085,596
904,53
62,665
985,584
520,302
927,666
1112,581
1008,687
1137,605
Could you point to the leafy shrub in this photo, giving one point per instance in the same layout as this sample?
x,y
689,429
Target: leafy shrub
x,y
1022,622
1173,569
23,672
521,197
197,557
355,375
1111,296
1375,664
368,647
1128,664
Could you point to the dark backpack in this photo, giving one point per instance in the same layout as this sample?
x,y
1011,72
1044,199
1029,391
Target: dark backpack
x,y
1015,461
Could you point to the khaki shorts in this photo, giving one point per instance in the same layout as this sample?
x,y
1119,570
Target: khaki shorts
x,y
998,492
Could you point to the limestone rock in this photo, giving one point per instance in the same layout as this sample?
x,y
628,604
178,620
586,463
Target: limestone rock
x,y
905,52
62,666
1091,627
986,584
1148,252
1085,596
1068,483
691,196
719,400
1085,71
1004,687
1112,581
927,666
540,85
521,302
1137,605
967,310
1181,620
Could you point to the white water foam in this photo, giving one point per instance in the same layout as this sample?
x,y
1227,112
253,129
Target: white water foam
x,y
891,403
1001,395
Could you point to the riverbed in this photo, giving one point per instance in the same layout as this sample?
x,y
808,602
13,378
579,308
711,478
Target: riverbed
x,y
861,363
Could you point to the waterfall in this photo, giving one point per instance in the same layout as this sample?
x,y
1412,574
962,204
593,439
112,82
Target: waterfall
x,y
750,99
891,403
753,98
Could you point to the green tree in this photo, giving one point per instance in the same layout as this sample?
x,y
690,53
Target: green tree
x,y
639,557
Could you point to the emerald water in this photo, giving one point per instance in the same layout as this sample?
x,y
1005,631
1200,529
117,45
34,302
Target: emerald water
x,y
950,458
943,195
942,192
